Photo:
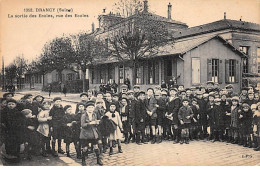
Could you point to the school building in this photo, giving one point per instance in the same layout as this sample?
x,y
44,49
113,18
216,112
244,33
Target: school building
x,y
226,51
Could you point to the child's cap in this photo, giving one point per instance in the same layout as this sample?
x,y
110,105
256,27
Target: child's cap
x,y
47,102
139,93
27,96
194,100
83,94
6,94
185,100
66,107
235,98
57,98
38,96
81,104
115,95
26,111
175,89
244,105
112,103
99,93
212,94
90,103
11,100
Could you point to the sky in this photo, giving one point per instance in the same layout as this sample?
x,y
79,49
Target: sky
x,y
27,36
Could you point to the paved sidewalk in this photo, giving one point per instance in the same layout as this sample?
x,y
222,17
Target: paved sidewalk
x,y
197,153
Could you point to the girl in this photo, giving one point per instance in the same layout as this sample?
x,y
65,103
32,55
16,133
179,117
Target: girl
x,y
235,111
43,128
116,135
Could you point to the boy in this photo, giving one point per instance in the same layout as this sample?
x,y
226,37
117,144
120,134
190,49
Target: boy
x,y
256,125
250,99
194,131
57,113
151,106
185,115
235,111
203,121
219,123
13,124
84,100
89,133
210,115
245,123
173,107
30,132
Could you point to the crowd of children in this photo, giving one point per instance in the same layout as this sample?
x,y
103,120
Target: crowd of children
x,y
102,120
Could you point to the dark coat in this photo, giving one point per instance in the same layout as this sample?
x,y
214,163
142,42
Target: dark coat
x,y
77,125
250,102
88,131
106,126
173,108
203,113
125,115
235,117
31,136
139,112
210,112
183,113
77,106
68,131
245,123
57,114
195,115
161,110
219,116
150,106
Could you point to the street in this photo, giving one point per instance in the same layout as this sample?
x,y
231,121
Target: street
x,y
197,153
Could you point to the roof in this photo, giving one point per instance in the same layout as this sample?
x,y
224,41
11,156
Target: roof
x,y
182,46
152,16
217,26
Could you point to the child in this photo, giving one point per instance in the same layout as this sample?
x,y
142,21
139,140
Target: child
x,y
185,115
76,128
13,124
210,114
89,133
84,100
30,132
235,112
57,128
100,97
43,128
172,112
256,125
203,121
151,106
68,130
124,111
194,131
219,123
161,110
245,122
113,115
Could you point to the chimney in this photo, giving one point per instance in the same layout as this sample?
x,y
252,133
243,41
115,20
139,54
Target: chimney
x,y
169,11
104,10
145,6
225,17
93,27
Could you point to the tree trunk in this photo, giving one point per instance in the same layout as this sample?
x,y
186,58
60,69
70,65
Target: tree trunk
x,y
134,73
84,81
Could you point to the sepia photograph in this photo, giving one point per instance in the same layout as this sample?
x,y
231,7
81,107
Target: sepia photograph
x,y
130,83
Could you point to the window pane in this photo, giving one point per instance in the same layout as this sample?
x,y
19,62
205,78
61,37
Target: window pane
x,y
195,70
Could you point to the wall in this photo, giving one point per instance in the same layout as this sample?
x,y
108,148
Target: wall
x,y
213,49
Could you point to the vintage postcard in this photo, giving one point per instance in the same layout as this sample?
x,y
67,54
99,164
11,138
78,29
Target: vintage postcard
x,y
130,83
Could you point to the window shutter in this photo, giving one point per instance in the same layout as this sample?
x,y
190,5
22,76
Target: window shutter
x,y
227,70
209,69
237,73
146,73
220,72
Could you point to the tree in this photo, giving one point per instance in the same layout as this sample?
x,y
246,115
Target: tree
x,y
21,66
87,48
128,8
141,40
57,54
10,73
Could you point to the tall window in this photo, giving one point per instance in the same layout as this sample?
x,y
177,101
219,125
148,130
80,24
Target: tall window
x,y
215,70
258,59
245,65
153,72
139,74
195,70
232,67
121,74
93,77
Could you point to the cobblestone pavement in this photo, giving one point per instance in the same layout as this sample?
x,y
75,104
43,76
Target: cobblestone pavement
x,y
197,153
